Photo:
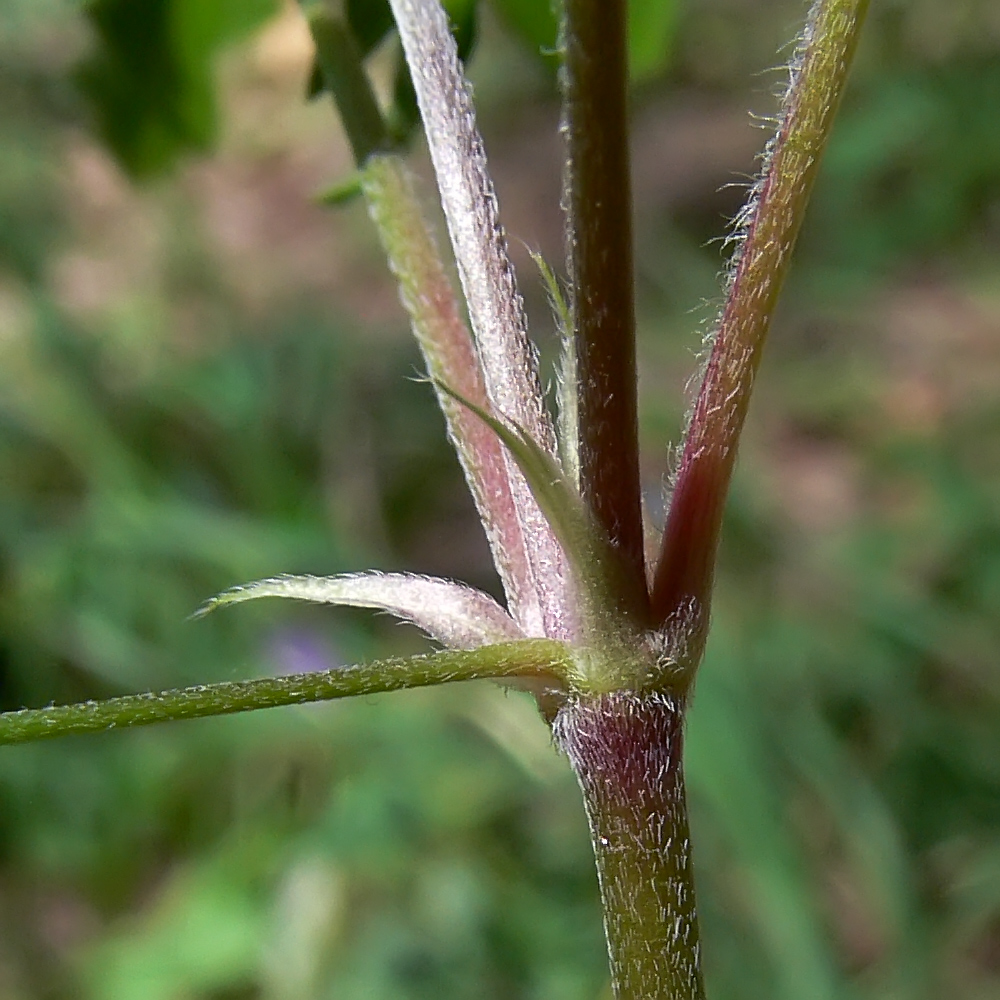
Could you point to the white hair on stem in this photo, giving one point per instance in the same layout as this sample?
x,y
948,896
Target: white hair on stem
x,y
496,311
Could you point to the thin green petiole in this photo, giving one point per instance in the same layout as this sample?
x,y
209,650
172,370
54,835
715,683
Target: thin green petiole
x,y
539,660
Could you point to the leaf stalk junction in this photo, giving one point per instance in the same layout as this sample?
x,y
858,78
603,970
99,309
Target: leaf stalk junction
x,y
608,649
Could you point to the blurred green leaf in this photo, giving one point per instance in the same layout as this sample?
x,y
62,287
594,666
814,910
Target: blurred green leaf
x,y
535,21
651,26
205,934
370,21
150,80
464,21
343,192
912,164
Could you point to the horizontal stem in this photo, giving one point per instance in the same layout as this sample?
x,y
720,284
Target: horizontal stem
x,y
533,659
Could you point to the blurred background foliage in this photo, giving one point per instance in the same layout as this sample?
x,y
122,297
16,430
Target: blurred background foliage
x,y
206,378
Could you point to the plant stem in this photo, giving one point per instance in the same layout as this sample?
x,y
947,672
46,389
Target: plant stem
x,y
496,312
626,751
451,359
766,231
535,659
599,251
343,69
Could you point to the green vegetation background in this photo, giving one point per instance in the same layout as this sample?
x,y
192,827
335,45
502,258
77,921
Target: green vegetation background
x,y
206,378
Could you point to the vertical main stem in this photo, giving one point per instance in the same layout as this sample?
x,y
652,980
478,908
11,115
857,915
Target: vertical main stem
x,y
599,249
625,748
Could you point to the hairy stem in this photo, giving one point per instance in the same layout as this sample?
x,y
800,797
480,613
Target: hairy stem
x,y
767,232
599,251
626,751
496,311
452,360
534,660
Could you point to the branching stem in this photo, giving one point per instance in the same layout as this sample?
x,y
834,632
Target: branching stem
x,y
770,225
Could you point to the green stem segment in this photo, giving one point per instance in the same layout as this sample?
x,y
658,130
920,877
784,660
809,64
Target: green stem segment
x,y
626,751
599,248
540,661
342,65
772,219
